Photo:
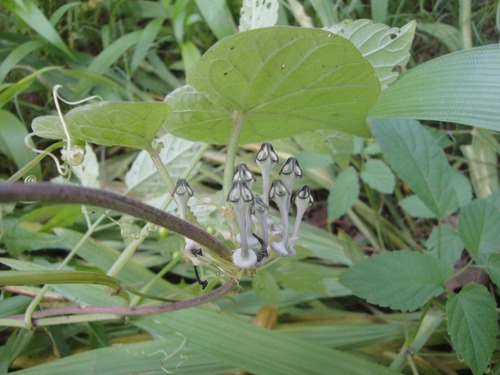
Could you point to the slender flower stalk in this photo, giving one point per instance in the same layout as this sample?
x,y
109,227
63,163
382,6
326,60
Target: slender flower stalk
x,y
303,200
182,193
242,198
243,173
280,195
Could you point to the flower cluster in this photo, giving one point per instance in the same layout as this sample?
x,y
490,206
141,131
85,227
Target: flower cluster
x,y
257,232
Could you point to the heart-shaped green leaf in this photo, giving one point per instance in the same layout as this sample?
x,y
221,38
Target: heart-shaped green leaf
x,y
280,81
124,124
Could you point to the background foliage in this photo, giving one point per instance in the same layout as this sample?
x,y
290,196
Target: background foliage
x,y
429,186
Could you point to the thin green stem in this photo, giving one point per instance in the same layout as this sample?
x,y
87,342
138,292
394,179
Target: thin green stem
x,y
465,23
232,147
37,159
155,156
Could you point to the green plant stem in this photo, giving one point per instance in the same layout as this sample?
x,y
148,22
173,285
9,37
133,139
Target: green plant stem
x,y
232,146
47,192
465,23
131,310
155,156
37,159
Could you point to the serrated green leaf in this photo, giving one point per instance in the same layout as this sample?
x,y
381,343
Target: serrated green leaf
x,y
462,187
493,268
265,286
472,325
123,124
451,245
478,228
415,207
378,176
417,158
279,81
383,46
462,87
401,280
257,14
343,194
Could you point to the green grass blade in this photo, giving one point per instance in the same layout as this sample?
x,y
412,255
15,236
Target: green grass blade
x,y
254,349
33,17
12,90
108,57
17,55
462,87
217,16
146,41
12,142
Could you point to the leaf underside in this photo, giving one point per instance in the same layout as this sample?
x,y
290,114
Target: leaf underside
x,y
281,81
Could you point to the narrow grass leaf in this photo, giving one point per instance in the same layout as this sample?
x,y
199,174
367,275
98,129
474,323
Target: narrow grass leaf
x,y
18,239
61,11
280,81
109,56
478,228
402,280
445,34
12,142
343,194
34,18
17,55
217,335
462,87
10,91
376,174
151,357
125,124
472,325
146,41
416,157
218,17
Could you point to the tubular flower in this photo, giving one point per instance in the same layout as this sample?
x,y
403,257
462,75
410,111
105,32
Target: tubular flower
x,y
243,173
280,195
266,159
242,198
303,200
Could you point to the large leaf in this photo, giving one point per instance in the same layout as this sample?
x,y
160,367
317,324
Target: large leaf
x,y
401,280
124,124
462,87
472,325
416,157
383,46
478,228
279,81
254,349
